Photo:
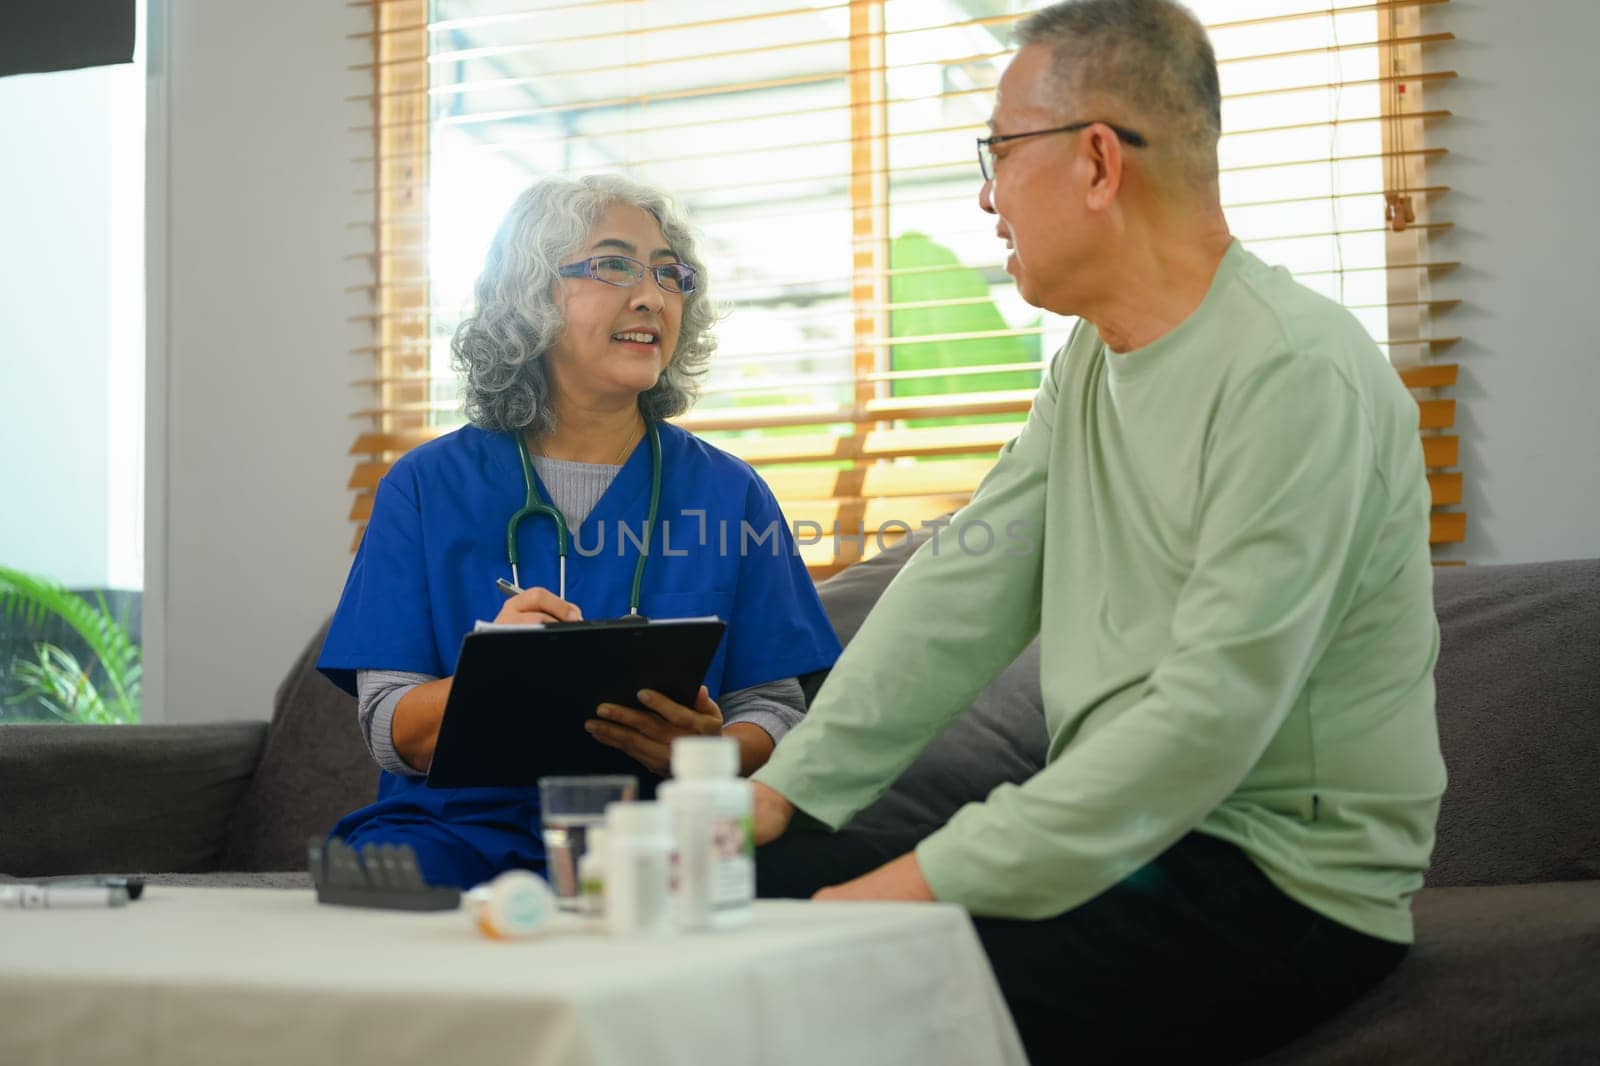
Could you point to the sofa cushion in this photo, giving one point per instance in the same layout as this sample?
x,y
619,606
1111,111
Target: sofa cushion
x,y
1499,974
1519,721
78,799
1000,739
315,769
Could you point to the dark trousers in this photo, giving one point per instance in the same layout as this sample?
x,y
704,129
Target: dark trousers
x,y
1195,958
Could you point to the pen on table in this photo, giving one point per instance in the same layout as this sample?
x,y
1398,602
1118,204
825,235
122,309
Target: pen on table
x,y
506,587
58,897
133,886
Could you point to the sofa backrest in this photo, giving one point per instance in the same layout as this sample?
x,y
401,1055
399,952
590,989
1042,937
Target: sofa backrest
x,y
86,799
1518,704
1519,721
314,770
1000,739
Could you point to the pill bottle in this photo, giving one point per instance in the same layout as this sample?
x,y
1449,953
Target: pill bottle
x,y
713,823
639,851
515,904
592,874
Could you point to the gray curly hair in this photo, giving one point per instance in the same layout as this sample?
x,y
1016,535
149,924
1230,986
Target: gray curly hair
x,y
497,349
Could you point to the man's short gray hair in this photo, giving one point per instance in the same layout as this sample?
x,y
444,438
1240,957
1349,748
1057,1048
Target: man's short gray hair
x,y
1153,54
498,350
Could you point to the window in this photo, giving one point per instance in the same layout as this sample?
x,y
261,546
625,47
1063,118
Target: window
x,y
876,355
72,346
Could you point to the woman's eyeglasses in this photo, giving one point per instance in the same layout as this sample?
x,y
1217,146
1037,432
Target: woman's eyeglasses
x,y
625,272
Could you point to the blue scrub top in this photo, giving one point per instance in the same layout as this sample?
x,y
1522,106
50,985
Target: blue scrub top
x,y
436,542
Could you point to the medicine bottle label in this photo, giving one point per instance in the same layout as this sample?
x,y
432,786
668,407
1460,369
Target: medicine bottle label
x,y
733,849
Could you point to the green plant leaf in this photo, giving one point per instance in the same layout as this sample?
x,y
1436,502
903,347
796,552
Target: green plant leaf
x,y
32,599
56,682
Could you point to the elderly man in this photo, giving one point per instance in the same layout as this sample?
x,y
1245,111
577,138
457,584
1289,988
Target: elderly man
x,y
1229,579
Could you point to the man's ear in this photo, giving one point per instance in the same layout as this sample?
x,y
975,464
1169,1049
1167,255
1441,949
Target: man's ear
x,y
1103,152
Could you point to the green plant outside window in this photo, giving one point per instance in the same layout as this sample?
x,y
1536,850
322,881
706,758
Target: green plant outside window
x,y
96,683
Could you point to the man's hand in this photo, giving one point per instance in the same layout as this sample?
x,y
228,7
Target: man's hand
x,y
647,735
898,880
772,814
537,605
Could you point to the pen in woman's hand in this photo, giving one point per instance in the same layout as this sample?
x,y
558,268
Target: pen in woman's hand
x,y
506,587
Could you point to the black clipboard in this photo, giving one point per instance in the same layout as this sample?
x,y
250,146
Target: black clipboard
x,y
521,695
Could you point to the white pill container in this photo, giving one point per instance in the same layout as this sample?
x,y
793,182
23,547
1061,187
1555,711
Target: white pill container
x,y
639,852
713,823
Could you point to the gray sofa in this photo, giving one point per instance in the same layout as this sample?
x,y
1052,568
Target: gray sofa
x,y
1507,963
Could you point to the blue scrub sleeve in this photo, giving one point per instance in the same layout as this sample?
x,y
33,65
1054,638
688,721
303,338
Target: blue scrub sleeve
x,y
382,622
778,629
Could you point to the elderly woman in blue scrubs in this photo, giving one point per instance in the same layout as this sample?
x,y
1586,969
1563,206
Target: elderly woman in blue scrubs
x,y
591,326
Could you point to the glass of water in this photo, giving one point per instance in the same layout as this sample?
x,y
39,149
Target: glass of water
x,y
569,807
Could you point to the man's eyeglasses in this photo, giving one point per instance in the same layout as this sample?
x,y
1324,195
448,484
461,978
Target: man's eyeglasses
x,y
987,145
624,272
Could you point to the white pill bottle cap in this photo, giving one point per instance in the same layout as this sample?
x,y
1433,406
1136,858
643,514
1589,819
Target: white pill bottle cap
x,y
636,819
702,758
517,903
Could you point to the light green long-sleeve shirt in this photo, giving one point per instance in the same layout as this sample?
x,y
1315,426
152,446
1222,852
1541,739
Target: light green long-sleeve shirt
x,y
1221,540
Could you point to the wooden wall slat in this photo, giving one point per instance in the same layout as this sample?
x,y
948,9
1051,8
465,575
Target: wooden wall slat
x,y
1430,375
367,475
1445,489
1441,451
398,441
885,409
1436,414
1447,527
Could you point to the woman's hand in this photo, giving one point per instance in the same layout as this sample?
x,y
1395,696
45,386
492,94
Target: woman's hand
x,y
647,735
415,728
537,605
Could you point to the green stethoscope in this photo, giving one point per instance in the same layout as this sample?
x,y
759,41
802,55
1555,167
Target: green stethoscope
x,y
535,506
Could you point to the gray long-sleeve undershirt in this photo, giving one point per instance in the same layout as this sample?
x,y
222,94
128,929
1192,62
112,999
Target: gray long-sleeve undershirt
x,y
575,488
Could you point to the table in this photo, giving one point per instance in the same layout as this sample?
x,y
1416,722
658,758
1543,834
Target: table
x,y
212,975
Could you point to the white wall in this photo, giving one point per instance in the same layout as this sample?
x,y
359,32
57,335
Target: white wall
x,y
71,293
249,404
1524,159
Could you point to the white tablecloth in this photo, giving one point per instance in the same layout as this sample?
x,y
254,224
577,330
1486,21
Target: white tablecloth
x,y
207,976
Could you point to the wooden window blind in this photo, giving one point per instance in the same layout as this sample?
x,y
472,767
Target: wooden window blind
x,y
875,355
